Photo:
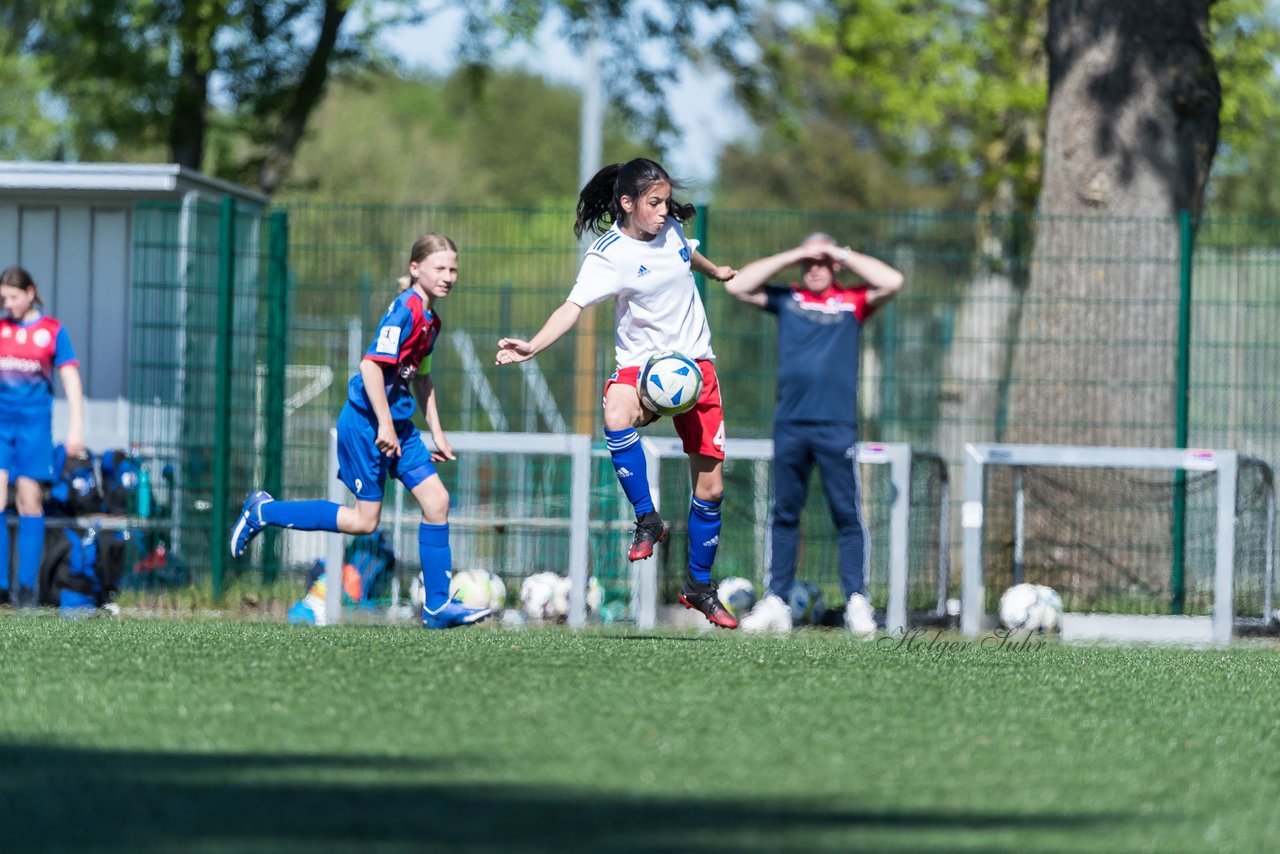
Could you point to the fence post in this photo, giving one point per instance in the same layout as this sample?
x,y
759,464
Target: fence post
x,y
221,516
1178,579
276,357
700,232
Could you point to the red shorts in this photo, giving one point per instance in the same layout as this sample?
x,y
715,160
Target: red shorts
x,y
701,428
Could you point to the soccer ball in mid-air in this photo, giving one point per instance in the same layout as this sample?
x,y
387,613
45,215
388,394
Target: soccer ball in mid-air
x,y
807,604
737,594
1031,608
670,383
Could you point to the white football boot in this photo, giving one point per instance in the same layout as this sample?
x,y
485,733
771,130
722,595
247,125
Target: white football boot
x,y
860,617
770,614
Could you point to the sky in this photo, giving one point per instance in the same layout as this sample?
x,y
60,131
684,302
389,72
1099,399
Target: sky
x,y
697,95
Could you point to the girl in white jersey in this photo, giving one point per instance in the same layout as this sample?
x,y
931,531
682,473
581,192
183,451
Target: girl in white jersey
x,y
644,262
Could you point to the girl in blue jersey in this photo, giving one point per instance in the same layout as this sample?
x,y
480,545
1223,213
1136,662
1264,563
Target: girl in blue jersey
x,y
32,345
377,437
644,264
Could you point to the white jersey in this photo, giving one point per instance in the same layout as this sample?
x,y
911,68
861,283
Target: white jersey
x,y
658,307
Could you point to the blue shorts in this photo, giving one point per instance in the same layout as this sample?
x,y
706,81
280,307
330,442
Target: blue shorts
x,y
26,448
364,468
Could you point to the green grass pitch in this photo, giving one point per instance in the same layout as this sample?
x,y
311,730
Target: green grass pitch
x,y
144,736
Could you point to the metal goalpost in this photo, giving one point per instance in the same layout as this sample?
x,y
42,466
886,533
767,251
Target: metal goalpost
x,y
1225,465
574,517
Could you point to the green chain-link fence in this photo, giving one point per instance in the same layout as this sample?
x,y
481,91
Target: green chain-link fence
x,y
1007,330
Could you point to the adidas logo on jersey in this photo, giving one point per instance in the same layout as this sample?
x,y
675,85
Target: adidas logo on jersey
x,y
643,271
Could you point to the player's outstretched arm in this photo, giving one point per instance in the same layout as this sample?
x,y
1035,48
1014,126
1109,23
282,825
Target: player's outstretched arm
x,y
883,281
719,272
512,350
748,285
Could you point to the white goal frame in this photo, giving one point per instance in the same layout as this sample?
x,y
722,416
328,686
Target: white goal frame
x,y
897,455
1225,463
578,447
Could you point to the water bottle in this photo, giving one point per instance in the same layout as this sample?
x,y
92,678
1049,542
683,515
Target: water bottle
x,y
144,494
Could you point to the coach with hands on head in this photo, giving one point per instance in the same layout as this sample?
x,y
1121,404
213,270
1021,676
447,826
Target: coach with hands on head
x,y
819,324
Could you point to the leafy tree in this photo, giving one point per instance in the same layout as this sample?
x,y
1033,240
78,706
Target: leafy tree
x,y
26,131
1246,50
815,168
956,91
423,140
137,74
951,90
643,44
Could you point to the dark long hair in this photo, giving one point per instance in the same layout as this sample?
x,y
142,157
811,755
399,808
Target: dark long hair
x,y
600,202
17,277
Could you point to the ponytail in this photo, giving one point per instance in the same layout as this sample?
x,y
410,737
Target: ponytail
x,y
600,202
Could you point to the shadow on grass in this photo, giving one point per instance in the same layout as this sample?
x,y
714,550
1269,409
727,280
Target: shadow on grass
x,y
55,799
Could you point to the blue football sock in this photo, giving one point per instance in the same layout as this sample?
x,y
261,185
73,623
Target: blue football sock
x,y
437,564
6,559
630,465
302,515
704,538
30,549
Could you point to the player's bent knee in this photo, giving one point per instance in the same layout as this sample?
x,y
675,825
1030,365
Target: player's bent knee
x,y
364,525
715,496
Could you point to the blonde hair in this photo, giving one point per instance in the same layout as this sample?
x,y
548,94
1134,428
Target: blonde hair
x,y
428,243
404,283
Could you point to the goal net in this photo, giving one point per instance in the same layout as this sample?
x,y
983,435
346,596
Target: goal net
x,y
905,502
1139,532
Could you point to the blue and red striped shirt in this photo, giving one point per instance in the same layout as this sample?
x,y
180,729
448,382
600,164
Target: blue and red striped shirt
x,y
406,336
29,352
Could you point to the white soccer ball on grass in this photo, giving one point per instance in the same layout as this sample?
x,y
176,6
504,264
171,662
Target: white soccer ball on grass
x,y
564,590
497,592
807,604
417,596
1031,608
472,588
538,595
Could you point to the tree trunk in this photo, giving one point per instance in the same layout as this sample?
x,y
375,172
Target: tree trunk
x,y
1131,134
281,148
1132,130
188,120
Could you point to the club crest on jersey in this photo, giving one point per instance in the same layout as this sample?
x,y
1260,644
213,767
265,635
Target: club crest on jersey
x,y
388,340
684,253
41,337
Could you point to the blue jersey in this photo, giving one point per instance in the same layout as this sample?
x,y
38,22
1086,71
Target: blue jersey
x,y
406,336
818,339
29,352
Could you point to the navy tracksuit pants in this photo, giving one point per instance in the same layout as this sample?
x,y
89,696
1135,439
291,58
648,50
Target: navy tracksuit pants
x,y
797,445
